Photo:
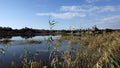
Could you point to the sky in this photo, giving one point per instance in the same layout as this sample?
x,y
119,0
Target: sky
x,y
78,13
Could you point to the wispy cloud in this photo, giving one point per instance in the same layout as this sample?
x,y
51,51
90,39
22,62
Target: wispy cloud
x,y
111,21
109,8
73,8
91,1
68,12
90,8
66,15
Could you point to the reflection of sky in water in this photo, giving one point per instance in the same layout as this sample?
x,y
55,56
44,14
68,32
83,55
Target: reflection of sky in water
x,y
34,38
14,52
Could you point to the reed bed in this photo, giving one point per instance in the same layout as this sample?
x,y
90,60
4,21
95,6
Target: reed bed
x,y
102,52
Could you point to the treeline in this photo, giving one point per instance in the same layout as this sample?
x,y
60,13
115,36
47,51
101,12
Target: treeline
x,y
7,31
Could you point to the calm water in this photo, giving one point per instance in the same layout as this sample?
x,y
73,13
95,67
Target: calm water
x,y
38,47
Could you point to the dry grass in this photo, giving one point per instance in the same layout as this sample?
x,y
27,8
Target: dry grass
x,y
102,52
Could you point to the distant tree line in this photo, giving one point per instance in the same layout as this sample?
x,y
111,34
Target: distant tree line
x,y
8,31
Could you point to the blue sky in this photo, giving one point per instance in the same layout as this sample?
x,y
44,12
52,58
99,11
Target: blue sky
x,y
79,13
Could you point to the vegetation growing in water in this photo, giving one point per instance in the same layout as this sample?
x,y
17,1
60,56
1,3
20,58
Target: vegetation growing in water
x,y
98,51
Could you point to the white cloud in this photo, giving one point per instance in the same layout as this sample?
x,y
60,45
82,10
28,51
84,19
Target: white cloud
x,y
90,8
111,21
68,12
110,8
91,1
73,8
67,15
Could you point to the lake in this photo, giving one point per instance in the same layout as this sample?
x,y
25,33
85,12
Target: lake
x,y
16,50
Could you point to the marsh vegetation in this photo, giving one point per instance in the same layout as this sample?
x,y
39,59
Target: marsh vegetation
x,y
59,49
84,51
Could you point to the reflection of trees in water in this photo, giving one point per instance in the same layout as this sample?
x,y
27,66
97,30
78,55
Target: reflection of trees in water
x,y
3,51
4,48
27,37
5,37
24,36
5,41
9,37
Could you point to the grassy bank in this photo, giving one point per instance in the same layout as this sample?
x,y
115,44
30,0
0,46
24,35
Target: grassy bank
x,y
102,51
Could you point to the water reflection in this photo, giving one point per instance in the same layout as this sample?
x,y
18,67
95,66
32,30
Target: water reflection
x,y
9,37
16,49
5,37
